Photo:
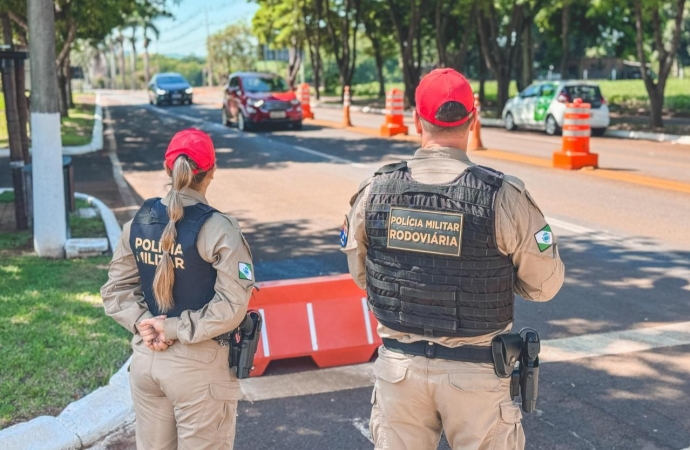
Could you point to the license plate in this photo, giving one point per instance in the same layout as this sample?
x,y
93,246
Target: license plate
x,y
176,96
277,114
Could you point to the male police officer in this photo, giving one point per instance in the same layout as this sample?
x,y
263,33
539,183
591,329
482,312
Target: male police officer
x,y
441,245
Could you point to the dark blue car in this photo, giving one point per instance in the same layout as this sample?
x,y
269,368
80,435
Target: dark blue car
x,y
169,88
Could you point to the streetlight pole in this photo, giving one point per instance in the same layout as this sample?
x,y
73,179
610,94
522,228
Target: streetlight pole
x,y
50,223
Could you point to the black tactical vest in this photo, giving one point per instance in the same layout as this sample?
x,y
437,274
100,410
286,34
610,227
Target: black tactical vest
x,y
195,279
433,266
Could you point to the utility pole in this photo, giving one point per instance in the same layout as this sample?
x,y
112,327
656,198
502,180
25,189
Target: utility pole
x,y
50,223
208,56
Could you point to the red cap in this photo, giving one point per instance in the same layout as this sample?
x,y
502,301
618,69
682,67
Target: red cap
x,y
195,144
441,86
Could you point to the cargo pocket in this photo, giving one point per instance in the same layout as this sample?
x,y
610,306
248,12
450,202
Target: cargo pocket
x,y
202,353
389,372
509,434
217,418
475,381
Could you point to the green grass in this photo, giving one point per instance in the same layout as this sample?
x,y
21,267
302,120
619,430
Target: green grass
x,y
86,228
7,197
56,343
76,129
623,94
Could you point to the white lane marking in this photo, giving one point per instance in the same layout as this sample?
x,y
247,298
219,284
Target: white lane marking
x,y
118,175
312,327
367,320
615,342
296,147
362,426
307,383
264,334
569,226
553,350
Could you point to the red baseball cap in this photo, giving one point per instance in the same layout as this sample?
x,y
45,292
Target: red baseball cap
x,y
195,144
441,86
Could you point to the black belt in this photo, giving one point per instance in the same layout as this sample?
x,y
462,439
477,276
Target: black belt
x,y
467,353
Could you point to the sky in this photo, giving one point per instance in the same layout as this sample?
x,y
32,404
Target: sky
x,y
185,34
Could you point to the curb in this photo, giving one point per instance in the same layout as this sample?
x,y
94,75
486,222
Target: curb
x,y
90,418
112,226
487,122
96,143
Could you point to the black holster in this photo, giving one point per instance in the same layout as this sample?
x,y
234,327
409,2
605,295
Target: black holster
x,y
521,348
243,343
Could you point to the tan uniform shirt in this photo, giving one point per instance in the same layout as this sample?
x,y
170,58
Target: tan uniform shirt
x,y
518,219
220,243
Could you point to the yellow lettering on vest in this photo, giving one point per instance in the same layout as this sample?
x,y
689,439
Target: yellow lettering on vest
x,y
391,234
442,240
399,235
137,242
155,246
146,244
434,239
178,249
456,227
408,236
179,263
415,237
430,224
453,241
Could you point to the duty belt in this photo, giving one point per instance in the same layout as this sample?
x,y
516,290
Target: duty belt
x,y
467,353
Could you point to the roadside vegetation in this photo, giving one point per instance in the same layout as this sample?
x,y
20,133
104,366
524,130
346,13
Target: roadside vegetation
x,y
76,127
56,344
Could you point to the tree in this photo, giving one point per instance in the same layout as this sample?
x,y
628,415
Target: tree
x,y
379,30
232,49
406,16
312,14
454,29
342,21
653,12
499,24
279,24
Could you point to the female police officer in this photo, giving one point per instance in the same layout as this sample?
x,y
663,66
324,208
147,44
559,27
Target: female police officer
x,y
181,275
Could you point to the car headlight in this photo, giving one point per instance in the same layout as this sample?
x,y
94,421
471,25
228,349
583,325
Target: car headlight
x,y
188,90
160,91
294,101
256,103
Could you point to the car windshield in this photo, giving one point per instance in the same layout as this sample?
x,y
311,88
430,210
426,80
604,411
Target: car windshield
x,y
171,79
588,94
264,84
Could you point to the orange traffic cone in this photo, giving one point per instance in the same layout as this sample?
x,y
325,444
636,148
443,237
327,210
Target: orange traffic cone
x,y
475,142
574,153
305,101
394,123
346,107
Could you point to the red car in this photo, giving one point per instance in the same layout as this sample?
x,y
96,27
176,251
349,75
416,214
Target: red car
x,y
256,98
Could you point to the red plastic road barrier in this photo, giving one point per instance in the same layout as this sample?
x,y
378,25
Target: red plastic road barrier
x,y
325,318
305,100
475,142
394,114
346,107
576,132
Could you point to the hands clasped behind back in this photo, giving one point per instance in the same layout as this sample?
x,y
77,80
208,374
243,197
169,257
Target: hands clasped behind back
x,y
151,331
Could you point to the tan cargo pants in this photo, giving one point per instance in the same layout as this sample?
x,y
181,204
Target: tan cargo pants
x,y
184,397
415,398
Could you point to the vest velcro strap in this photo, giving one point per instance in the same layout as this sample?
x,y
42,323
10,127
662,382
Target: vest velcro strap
x,y
405,187
441,263
428,322
477,325
378,207
382,241
380,300
429,310
427,294
383,285
380,224
384,314
486,312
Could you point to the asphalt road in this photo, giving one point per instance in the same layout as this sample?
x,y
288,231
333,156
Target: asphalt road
x,y
626,248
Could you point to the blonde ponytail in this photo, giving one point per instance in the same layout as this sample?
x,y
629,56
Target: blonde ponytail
x,y
182,177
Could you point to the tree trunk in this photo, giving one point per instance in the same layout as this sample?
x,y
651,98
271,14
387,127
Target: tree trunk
x,y
22,108
123,73
656,102
133,63
112,57
68,82
294,62
7,75
565,23
527,54
503,81
62,92
147,68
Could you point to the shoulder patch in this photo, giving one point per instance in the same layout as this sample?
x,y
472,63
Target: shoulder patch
x,y
515,182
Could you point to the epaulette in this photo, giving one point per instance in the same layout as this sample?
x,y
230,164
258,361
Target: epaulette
x,y
391,168
487,175
515,182
362,186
